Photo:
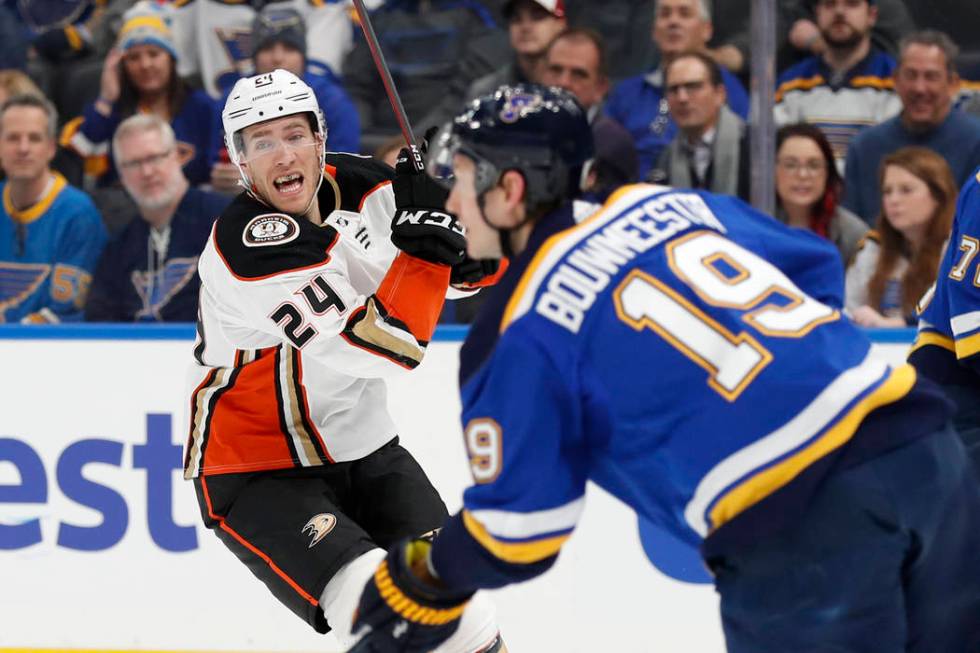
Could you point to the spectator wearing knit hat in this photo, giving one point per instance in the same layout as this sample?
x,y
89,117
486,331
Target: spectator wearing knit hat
x,y
279,41
140,76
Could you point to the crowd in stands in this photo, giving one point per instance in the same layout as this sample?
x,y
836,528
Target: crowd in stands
x,y
114,164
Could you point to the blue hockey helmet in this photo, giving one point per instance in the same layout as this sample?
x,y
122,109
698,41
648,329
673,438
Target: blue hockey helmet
x,y
540,131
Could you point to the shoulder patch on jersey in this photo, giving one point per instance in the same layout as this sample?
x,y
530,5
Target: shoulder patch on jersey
x,y
270,229
357,176
256,244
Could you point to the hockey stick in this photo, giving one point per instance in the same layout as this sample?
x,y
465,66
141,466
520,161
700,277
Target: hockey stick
x,y
389,84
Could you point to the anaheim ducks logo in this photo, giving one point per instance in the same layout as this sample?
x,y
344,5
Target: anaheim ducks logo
x,y
319,526
270,229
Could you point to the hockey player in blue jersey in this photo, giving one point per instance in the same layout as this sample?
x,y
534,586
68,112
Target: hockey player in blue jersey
x,y
947,348
688,354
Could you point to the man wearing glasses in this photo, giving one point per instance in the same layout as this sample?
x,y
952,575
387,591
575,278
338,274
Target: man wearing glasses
x,y
326,276
148,271
710,150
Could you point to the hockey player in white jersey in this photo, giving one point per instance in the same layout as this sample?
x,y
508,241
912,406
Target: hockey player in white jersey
x,y
325,276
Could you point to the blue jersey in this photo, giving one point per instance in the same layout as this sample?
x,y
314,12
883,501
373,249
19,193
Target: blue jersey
x,y
947,348
680,349
949,324
47,254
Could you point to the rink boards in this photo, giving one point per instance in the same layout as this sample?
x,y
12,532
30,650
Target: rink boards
x,y
101,546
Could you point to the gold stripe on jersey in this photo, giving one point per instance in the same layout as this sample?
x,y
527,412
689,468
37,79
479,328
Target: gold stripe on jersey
x,y
761,485
931,338
293,417
39,208
201,404
968,346
245,356
513,552
873,81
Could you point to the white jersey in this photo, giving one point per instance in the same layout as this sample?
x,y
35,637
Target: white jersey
x,y
215,38
299,325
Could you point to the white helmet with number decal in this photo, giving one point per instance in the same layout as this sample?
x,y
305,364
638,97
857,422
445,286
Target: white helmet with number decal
x,y
267,97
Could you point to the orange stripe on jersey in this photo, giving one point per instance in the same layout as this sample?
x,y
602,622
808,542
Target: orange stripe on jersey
x,y
384,183
245,432
248,545
413,292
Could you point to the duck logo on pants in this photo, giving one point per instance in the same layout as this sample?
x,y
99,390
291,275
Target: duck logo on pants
x,y
319,526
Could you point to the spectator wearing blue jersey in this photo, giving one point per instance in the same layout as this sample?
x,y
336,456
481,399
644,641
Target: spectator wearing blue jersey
x,y
640,104
51,234
140,76
848,87
279,41
926,81
148,271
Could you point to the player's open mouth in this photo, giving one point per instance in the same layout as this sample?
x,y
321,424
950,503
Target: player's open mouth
x,y
289,184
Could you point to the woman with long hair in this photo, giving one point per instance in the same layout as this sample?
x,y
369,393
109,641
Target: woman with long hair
x,y
809,187
140,76
898,261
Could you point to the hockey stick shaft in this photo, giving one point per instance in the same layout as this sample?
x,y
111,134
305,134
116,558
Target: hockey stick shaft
x,y
388,83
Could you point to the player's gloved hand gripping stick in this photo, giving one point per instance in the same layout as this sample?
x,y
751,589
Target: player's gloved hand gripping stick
x,y
429,236
421,226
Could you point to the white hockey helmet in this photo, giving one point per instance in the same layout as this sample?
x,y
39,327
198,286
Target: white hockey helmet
x,y
267,97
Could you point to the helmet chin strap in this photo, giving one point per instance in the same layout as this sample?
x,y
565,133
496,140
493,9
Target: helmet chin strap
x,y
316,191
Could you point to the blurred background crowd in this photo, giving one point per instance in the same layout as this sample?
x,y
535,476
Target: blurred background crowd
x,y
114,166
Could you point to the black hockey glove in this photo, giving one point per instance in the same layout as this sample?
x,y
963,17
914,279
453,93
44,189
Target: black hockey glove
x,y
470,274
399,612
422,227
